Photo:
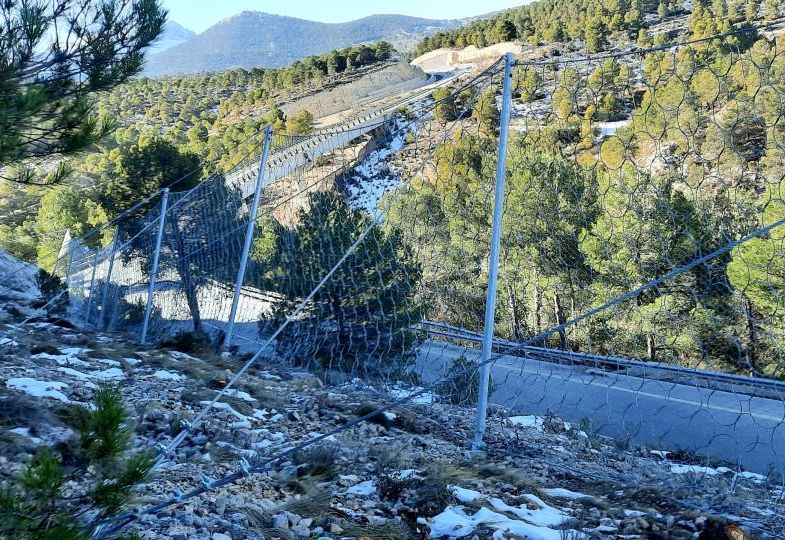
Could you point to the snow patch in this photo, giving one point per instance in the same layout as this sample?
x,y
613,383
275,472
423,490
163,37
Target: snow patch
x,y
25,432
182,356
111,373
454,522
244,396
167,375
108,362
712,471
36,388
466,496
610,128
375,176
544,515
561,493
61,359
426,398
528,421
363,489
244,421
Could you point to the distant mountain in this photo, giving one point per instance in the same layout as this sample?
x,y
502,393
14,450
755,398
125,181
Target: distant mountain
x,y
254,39
173,34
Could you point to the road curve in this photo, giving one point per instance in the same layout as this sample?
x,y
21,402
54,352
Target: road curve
x,y
741,429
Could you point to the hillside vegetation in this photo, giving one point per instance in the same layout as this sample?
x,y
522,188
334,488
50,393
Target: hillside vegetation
x,y
598,23
166,128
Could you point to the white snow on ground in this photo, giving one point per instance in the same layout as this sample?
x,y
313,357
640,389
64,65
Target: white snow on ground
x,y
167,375
466,496
561,493
374,176
108,362
8,341
38,388
712,471
533,519
426,398
362,489
329,438
454,522
25,432
111,373
244,421
544,515
528,421
245,396
182,356
610,128
68,357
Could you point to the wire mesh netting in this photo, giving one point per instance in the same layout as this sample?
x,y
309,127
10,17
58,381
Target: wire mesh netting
x,y
640,275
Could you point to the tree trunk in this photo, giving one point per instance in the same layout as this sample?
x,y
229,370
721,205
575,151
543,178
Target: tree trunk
x,y
514,315
537,309
651,350
557,310
336,307
184,270
193,302
752,336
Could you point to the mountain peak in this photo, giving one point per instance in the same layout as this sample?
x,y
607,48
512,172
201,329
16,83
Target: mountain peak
x,y
174,34
280,40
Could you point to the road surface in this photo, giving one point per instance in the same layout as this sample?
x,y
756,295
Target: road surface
x,y
324,141
741,429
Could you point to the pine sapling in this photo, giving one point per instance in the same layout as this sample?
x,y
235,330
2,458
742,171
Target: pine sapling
x,y
68,496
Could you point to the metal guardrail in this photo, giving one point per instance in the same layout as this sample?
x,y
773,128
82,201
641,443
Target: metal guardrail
x,y
595,360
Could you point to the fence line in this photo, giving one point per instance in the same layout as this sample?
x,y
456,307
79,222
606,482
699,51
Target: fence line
x,y
637,214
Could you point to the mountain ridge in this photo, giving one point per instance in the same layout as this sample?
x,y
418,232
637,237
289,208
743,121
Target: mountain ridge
x,y
174,34
237,41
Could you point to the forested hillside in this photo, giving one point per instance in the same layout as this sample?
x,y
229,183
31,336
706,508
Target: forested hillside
x,y
166,128
638,164
622,170
233,287
598,23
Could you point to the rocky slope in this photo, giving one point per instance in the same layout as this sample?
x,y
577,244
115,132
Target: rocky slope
x,y
18,288
403,474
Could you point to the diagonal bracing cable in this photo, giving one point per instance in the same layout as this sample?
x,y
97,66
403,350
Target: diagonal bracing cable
x,y
265,464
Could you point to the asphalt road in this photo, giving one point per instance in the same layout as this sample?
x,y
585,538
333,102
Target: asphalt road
x,y
741,429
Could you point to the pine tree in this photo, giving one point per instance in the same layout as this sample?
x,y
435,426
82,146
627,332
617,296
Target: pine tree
x,y
486,113
55,57
144,168
527,83
752,10
757,273
596,35
300,123
360,318
69,496
771,9
445,105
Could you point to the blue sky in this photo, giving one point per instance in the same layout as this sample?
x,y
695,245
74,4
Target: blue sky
x,y
197,15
